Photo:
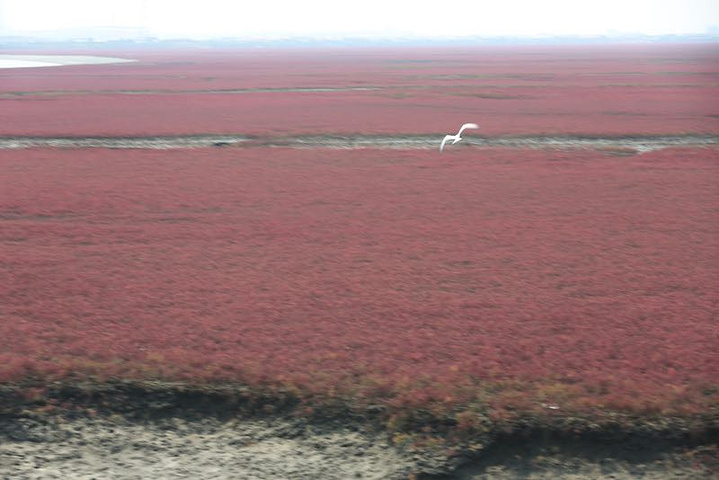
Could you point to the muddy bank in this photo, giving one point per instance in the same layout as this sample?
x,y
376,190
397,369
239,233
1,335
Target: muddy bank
x,y
127,431
615,145
115,447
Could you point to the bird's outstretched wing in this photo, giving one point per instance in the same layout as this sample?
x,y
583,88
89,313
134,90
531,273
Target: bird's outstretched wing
x,y
467,125
446,137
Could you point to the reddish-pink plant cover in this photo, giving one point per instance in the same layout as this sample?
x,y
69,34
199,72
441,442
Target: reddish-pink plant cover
x,y
560,90
575,278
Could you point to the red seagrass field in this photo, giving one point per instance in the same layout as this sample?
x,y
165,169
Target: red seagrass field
x,y
481,283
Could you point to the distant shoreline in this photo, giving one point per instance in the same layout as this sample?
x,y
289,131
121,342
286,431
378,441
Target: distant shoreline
x,y
35,61
54,40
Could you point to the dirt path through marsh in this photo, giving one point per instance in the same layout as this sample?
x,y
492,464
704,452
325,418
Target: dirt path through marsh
x,y
620,145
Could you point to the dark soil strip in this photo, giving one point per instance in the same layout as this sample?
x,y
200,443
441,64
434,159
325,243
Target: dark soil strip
x,y
229,91
627,145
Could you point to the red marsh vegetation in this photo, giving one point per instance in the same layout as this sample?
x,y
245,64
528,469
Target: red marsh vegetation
x,y
592,90
502,278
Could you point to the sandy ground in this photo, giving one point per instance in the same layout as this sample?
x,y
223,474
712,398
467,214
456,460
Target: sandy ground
x,y
175,448
289,448
32,61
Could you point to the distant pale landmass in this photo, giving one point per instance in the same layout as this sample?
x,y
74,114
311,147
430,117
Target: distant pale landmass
x,y
110,37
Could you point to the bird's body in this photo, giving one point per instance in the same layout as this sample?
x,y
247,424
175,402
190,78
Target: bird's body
x,y
458,137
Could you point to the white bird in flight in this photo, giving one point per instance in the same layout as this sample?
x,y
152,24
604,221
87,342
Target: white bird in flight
x,y
456,138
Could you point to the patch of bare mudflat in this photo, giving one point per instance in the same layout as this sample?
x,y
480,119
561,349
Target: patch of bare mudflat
x,y
114,448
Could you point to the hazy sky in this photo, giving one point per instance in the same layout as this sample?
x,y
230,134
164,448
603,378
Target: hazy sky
x,y
369,18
